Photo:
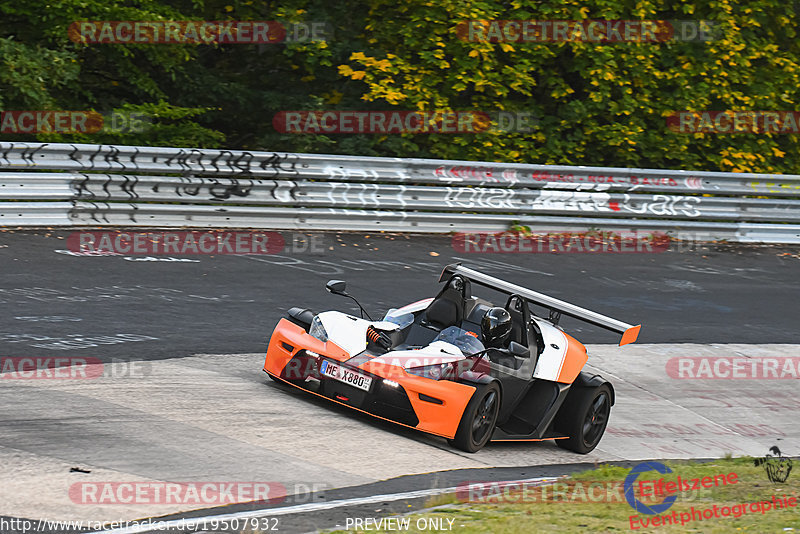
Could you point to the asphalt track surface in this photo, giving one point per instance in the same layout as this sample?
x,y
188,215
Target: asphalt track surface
x,y
186,400
230,304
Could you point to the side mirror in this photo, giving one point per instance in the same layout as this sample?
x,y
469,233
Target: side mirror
x,y
518,350
337,287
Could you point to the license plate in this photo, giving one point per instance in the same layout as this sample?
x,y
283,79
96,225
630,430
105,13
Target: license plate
x,y
337,372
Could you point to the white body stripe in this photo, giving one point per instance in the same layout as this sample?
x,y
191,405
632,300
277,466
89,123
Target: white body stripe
x,y
551,359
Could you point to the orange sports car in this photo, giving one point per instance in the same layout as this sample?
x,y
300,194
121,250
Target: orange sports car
x,y
455,365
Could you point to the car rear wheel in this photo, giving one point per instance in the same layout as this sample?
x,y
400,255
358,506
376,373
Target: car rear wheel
x,y
478,421
583,418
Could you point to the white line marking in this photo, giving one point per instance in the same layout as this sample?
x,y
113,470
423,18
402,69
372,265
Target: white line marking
x,y
301,508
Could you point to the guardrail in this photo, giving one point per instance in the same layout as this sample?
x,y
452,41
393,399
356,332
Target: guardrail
x,y
100,185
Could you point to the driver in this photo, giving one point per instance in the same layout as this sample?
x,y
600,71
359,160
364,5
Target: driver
x,y
496,328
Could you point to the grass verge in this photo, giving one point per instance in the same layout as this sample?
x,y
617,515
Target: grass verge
x,y
595,501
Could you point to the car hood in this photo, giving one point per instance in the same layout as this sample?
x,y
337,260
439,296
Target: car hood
x,y
437,352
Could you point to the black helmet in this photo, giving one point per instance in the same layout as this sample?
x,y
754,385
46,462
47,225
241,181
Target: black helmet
x,y
496,327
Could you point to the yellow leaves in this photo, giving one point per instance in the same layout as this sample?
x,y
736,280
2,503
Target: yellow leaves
x,y
333,98
505,47
228,8
357,56
608,75
346,70
393,97
561,91
309,78
514,154
777,152
473,53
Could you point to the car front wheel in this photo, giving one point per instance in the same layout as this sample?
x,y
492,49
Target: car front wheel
x,y
478,421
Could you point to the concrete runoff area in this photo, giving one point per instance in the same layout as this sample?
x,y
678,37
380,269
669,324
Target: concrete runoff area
x,y
181,397
219,418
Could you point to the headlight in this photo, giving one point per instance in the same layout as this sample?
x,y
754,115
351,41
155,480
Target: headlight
x,y
317,330
434,372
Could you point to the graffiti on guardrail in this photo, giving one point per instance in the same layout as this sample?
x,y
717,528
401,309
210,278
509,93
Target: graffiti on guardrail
x,y
549,200
98,191
121,158
345,173
155,186
102,186
663,205
460,172
483,197
587,181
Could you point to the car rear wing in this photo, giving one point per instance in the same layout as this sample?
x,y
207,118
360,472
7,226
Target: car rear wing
x,y
557,307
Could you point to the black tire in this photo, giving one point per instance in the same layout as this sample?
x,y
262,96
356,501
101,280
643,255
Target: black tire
x,y
583,418
478,421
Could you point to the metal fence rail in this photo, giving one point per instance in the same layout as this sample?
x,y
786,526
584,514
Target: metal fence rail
x,y
99,185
